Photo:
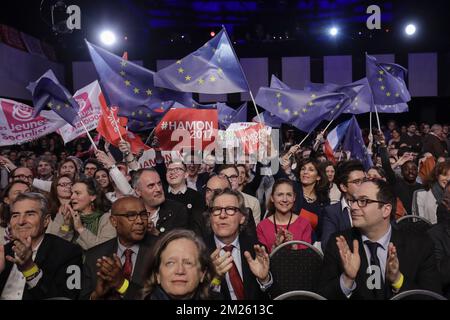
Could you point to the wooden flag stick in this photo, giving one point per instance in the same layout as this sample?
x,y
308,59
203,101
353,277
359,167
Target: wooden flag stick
x,y
89,136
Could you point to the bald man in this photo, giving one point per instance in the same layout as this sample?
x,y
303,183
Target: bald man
x,y
115,269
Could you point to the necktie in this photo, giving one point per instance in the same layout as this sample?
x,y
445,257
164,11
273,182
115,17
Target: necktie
x,y
235,278
127,268
375,261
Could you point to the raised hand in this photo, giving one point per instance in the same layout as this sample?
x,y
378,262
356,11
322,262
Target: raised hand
x,y
77,224
260,265
351,261
23,253
392,265
106,160
223,263
111,271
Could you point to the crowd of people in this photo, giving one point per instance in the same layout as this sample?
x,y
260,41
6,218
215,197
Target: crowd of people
x,y
200,230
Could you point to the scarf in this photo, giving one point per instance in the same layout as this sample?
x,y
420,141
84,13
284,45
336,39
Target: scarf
x,y
91,221
438,192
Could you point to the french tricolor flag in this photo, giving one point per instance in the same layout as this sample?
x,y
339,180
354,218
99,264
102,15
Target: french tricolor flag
x,y
334,138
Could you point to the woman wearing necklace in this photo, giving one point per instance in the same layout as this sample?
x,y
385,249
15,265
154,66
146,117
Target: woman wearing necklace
x,y
283,224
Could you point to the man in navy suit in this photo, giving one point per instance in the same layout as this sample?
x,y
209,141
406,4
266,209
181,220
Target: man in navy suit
x,y
349,176
375,260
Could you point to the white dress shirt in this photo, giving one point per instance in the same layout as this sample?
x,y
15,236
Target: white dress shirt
x,y
15,285
181,191
344,206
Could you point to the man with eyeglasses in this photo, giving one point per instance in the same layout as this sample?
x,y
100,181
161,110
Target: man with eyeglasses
x,y
116,269
239,276
336,217
375,260
232,173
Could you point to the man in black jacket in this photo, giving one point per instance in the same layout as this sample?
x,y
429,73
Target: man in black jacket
x,y
375,260
120,262
164,214
36,265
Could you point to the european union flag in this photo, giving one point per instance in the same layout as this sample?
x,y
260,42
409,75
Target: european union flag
x,y
354,143
269,119
387,83
276,83
128,85
47,92
304,110
145,118
213,69
228,115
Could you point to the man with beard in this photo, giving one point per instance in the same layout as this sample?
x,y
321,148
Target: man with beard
x,y
164,214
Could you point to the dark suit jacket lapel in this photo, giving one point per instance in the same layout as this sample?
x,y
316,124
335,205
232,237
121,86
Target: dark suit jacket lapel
x,y
345,219
247,276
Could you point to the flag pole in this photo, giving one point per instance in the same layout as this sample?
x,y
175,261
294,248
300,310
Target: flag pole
x,y
150,135
245,77
89,136
378,118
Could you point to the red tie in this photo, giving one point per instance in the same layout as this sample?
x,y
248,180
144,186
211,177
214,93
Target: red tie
x,y
127,268
235,278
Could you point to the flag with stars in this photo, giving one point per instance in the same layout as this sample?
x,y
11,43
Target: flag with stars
x,y
304,110
387,83
228,115
144,118
269,119
47,92
213,69
354,143
128,85
277,83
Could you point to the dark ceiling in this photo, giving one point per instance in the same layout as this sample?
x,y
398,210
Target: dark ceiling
x,y
173,28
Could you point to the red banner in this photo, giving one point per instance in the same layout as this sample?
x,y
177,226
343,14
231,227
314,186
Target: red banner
x,y
187,129
250,137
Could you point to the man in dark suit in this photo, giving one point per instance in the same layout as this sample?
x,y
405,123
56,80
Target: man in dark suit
x,y
336,217
121,261
434,142
374,260
164,214
240,276
36,265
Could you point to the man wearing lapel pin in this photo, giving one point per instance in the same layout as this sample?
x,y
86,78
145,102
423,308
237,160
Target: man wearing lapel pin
x,y
115,269
374,260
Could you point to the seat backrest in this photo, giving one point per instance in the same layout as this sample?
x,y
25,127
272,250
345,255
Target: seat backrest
x,y
296,266
418,295
300,295
415,224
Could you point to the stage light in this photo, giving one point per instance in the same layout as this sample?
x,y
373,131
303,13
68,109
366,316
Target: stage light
x,y
410,30
333,31
108,37
212,34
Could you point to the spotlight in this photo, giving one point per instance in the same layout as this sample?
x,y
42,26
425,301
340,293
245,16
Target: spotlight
x,y
410,30
333,31
108,37
212,34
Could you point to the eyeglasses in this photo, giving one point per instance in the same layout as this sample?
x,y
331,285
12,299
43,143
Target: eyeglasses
x,y
230,211
65,184
209,190
362,202
23,177
358,182
175,170
232,177
132,216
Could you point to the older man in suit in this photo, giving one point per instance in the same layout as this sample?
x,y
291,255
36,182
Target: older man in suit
x,y
336,217
375,260
116,268
36,265
240,276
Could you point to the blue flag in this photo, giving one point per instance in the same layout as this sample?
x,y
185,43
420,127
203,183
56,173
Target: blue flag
x,y
269,119
354,143
213,69
387,83
47,92
304,110
276,83
228,115
128,85
145,118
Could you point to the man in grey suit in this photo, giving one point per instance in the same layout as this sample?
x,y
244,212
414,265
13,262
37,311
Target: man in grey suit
x,y
116,269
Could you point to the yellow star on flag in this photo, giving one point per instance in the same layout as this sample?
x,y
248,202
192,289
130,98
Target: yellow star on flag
x,y
149,115
381,72
133,113
124,63
188,78
313,96
212,79
380,79
122,73
310,103
180,70
278,95
127,83
388,94
382,88
200,81
295,113
219,71
50,105
397,95
305,110
149,92
58,107
286,111
140,112
136,90
179,62
279,104
66,105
